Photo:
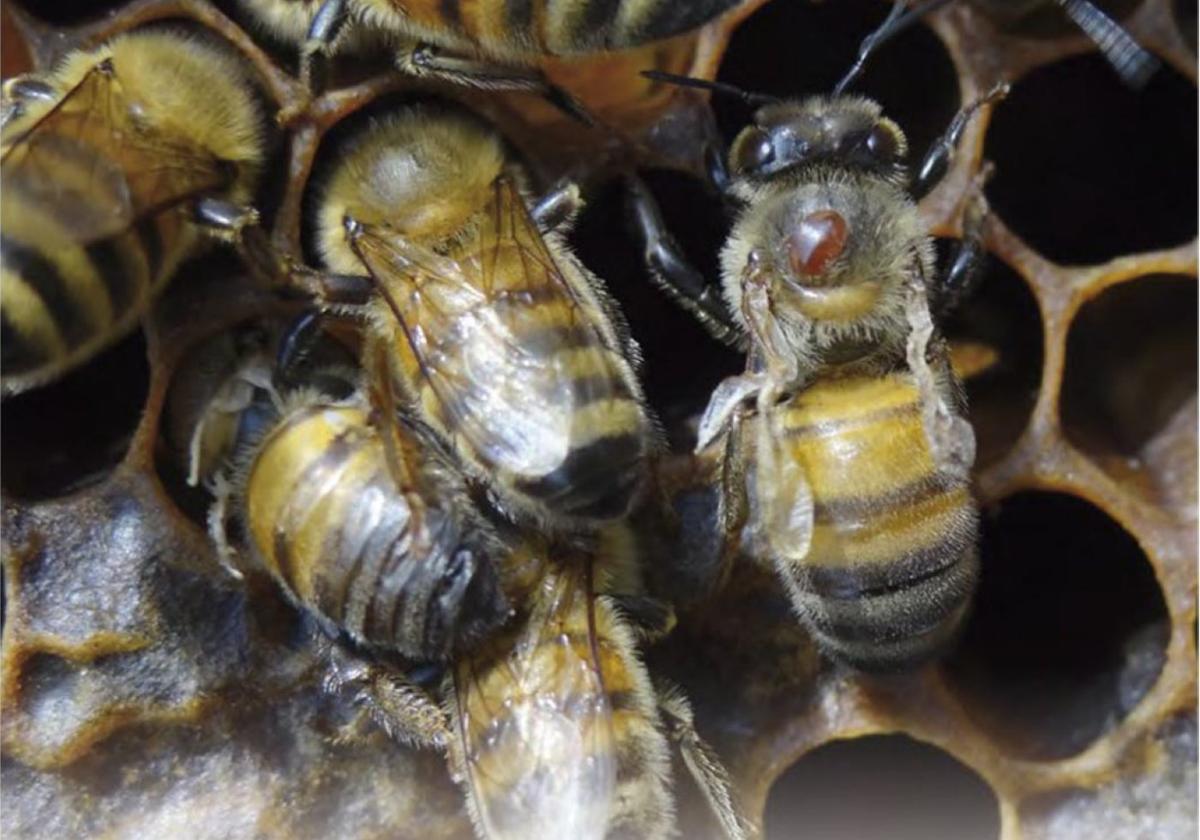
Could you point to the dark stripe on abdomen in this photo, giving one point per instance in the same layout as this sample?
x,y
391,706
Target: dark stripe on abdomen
x,y
518,14
596,481
120,282
450,14
670,17
18,356
43,278
598,16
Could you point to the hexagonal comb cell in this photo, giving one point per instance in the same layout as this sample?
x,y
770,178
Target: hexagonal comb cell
x,y
1069,629
1130,375
1072,180
201,705
52,447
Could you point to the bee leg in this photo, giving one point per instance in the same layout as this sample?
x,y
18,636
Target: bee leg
x,y
20,90
401,708
239,225
961,279
218,518
556,210
224,219
702,761
939,157
651,618
670,270
295,346
951,438
327,24
427,61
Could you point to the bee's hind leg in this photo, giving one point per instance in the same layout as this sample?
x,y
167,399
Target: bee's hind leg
x,y
384,696
327,25
702,761
429,62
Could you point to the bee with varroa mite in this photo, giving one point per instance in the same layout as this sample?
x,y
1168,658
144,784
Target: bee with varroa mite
x,y
106,164
846,456
488,329
551,721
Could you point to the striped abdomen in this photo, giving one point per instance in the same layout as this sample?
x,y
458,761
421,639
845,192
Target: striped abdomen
x,y
64,299
893,560
534,396
511,29
558,729
392,568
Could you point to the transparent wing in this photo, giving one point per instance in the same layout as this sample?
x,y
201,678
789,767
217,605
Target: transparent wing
x,y
536,725
93,165
498,333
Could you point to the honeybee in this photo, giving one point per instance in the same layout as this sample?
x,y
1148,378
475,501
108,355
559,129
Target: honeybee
x,y
558,731
846,455
104,163
551,721
494,44
361,525
490,330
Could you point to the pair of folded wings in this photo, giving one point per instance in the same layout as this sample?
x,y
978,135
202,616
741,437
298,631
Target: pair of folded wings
x,y
94,166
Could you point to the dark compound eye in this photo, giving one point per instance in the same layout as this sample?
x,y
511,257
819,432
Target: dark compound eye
x,y
752,151
882,143
817,241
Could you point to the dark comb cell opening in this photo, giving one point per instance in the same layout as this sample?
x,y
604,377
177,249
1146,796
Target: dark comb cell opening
x,y
1130,378
816,43
1069,629
67,12
996,345
881,787
71,433
683,363
1073,184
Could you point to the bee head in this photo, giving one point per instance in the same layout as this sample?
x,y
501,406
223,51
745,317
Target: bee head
x,y
844,132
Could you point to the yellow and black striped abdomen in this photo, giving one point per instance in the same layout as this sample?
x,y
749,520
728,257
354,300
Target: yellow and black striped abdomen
x,y
63,299
516,29
893,559
524,382
387,566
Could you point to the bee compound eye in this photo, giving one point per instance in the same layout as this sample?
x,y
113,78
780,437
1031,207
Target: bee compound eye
x,y
752,151
882,143
816,241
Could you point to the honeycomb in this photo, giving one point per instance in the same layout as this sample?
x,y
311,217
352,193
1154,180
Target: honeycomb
x,y
144,693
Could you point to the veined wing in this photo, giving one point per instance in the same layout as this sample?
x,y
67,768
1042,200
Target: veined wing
x,y
535,725
502,339
96,168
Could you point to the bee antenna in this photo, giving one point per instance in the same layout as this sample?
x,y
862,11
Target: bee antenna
x,y
1133,64
754,100
896,22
